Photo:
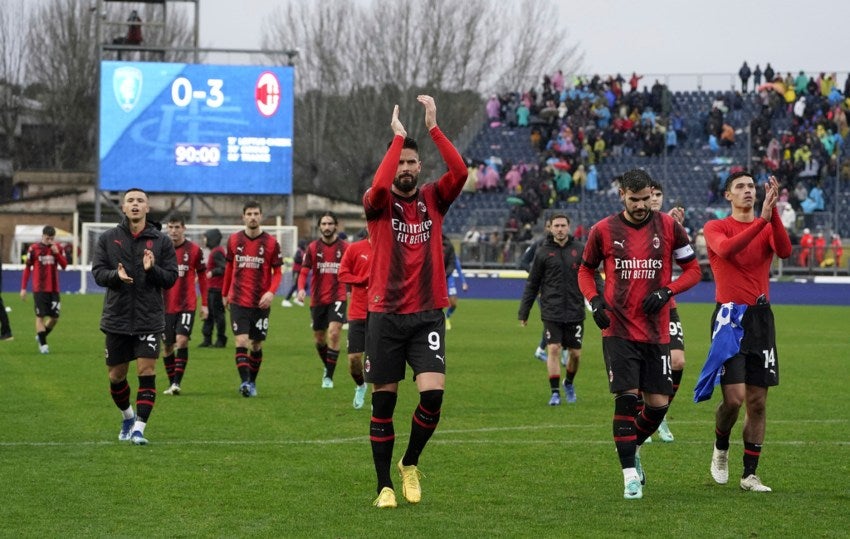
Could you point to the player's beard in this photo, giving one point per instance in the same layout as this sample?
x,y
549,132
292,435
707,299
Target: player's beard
x,y
406,182
328,233
638,215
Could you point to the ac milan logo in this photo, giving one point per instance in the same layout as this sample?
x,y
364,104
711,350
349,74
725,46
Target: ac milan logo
x,y
149,244
656,243
267,94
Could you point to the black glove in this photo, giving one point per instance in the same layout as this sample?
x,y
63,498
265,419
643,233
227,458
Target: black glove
x,y
656,300
597,305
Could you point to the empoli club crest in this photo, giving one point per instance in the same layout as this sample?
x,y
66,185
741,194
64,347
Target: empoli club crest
x,y
127,85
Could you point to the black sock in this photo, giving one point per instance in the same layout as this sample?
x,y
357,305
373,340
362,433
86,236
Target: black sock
x,y
624,428
554,384
145,396
180,365
677,380
242,363
570,377
331,357
254,364
721,440
120,393
752,452
425,419
42,337
169,366
647,422
382,435
322,350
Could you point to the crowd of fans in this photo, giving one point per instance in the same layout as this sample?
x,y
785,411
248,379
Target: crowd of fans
x,y
797,128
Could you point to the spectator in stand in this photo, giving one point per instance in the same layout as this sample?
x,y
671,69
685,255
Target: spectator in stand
x,y
807,241
592,184
44,259
513,179
744,73
756,77
634,82
494,108
768,73
801,83
558,81
522,115
727,136
820,248
837,250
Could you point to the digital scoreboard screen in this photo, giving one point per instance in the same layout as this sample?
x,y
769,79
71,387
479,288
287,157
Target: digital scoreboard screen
x,y
190,128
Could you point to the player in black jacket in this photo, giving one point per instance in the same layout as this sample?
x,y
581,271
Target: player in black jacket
x,y
134,261
554,278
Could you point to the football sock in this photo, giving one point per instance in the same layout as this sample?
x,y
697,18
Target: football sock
x,y
47,330
242,363
120,393
721,440
254,363
554,384
322,350
146,396
425,419
570,377
677,380
42,337
128,413
331,358
751,458
180,365
169,366
624,428
648,420
543,344
382,435
450,311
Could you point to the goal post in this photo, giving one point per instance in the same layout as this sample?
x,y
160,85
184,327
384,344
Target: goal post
x,y
286,235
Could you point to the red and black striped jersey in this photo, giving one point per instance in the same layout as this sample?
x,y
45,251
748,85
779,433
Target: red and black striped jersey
x,y
43,263
252,263
191,270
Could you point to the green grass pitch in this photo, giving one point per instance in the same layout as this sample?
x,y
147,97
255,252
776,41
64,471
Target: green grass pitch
x,y
296,461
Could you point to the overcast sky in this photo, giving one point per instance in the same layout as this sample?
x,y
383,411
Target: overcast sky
x,y
649,36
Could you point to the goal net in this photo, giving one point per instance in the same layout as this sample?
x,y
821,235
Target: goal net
x,y
287,236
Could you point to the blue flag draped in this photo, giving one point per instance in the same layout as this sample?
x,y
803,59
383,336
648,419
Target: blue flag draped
x,y
726,338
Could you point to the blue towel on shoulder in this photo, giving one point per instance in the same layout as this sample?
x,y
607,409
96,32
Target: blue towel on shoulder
x,y
725,343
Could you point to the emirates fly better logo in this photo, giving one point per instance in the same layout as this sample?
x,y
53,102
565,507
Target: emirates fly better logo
x,y
267,94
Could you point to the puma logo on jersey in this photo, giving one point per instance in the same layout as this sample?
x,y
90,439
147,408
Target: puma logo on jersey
x,y
620,243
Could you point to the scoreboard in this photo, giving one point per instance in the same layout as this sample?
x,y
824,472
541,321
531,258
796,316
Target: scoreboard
x,y
192,128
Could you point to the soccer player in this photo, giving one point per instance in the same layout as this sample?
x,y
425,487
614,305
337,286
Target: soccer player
x,y
354,269
43,261
180,303
215,320
452,264
554,279
328,301
297,261
637,248
677,334
407,293
740,250
135,262
5,328
251,279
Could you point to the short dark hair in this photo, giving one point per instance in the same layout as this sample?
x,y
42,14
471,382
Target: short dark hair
x,y
139,189
656,185
734,176
328,213
177,218
409,143
48,231
559,216
635,180
251,204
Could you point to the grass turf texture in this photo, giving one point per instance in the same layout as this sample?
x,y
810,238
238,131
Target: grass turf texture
x,y
296,461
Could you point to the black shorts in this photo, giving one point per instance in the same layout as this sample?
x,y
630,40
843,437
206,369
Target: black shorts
x,y
356,336
323,315
393,340
757,362
122,349
637,365
252,321
677,334
46,304
567,334
177,324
